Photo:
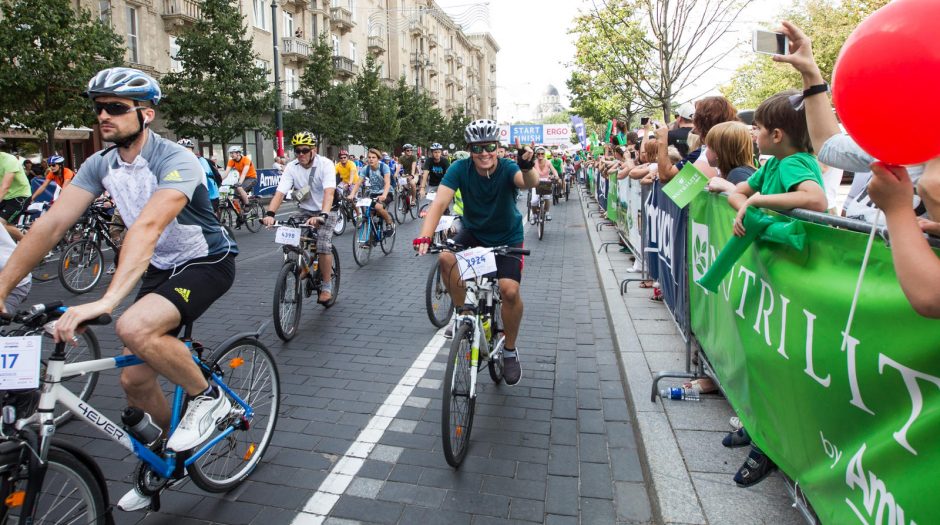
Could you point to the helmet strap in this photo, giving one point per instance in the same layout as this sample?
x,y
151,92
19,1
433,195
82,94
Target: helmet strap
x,y
130,139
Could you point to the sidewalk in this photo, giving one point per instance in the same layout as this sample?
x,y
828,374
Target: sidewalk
x,y
689,471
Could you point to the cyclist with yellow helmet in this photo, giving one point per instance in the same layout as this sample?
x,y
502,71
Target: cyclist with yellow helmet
x,y
312,178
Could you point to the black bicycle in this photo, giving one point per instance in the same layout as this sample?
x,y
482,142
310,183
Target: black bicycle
x,y
406,202
345,213
299,276
82,262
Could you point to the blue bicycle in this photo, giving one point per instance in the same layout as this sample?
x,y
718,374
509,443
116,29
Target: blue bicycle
x,y
371,232
47,481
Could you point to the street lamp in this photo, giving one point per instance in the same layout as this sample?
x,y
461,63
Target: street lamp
x,y
278,114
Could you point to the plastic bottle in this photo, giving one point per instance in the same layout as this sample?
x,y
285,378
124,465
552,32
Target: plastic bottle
x,y
139,424
486,329
679,393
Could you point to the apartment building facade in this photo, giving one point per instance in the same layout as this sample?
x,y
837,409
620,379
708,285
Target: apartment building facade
x,y
413,39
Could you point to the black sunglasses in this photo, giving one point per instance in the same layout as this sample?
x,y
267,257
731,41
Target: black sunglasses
x,y
343,156
302,151
489,148
113,108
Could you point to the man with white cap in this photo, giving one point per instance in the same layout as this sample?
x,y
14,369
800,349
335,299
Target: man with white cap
x,y
679,137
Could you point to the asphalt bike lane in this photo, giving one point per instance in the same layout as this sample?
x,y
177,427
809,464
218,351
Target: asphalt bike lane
x,y
358,437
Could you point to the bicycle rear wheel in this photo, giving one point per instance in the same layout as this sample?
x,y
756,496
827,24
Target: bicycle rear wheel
x,y
227,219
81,266
457,406
70,494
362,247
249,370
542,213
288,301
334,278
401,207
438,302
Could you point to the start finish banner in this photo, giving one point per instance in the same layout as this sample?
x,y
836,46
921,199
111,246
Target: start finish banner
x,y
853,418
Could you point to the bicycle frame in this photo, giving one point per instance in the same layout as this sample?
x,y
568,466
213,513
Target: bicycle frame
x,y
367,219
477,294
53,392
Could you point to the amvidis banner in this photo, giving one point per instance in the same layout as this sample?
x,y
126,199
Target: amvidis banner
x,y
854,418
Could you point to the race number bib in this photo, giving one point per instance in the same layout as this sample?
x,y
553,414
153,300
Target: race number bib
x,y
431,195
476,262
287,235
445,223
19,362
364,203
402,181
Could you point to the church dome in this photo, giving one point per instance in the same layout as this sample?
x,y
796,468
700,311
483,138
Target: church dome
x,y
550,91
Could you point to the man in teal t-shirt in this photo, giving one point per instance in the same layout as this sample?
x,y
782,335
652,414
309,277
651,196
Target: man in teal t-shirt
x,y
488,185
14,192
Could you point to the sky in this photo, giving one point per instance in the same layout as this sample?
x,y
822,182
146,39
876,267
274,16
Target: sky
x,y
535,47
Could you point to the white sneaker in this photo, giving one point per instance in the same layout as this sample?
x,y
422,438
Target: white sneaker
x,y
200,419
133,500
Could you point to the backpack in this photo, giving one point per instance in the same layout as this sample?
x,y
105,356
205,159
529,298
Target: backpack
x,y
215,173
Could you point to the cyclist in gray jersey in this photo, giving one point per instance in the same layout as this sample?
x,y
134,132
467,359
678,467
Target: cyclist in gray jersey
x,y
173,241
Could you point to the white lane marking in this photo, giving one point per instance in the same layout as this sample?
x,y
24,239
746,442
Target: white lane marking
x,y
319,506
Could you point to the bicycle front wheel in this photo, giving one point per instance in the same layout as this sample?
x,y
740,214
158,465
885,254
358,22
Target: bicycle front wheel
x,y
388,240
362,243
438,302
542,214
69,494
227,220
81,266
253,215
249,370
457,405
401,207
288,299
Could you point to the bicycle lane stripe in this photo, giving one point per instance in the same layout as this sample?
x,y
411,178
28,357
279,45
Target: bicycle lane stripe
x,y
319,506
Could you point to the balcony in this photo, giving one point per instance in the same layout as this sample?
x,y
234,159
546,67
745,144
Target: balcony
x,y
459,84
448,53
472,71
419,60
297,4
291,102
294,49
450,79
376,45
473,92
344,67
341,19
390,82
416,28
459,60
434,94
452,105
432,41
177,14
319,7
431,69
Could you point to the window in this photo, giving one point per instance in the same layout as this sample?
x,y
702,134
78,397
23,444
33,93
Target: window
x,y
104,12
175,64
263,64
261,14
352,52
290,86
132,38
335,45
288,24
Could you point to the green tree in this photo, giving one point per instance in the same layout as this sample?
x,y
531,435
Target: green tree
x,y
50,51
379,125
827,22
220,91
419,119
607,61
330,112
452,131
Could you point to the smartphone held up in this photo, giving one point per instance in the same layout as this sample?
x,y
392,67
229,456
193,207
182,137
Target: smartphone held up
x,y
770,43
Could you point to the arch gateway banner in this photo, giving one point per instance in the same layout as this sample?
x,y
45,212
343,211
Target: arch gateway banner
x,y
853,418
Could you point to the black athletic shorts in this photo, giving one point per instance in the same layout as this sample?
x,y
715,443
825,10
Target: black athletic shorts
x,y
11,207
191,287
507,266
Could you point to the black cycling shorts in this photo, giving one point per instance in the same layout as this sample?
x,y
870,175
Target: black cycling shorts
x,y
507,266
191,287
11,207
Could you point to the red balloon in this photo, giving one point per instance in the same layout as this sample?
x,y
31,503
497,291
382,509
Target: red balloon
x,y
887,72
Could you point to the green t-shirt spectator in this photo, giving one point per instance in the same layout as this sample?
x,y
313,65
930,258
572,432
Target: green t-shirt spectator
x,y
783,175
20,185
489,204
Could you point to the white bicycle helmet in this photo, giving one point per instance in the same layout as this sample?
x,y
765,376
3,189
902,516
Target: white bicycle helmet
x,y
124,82
481,131
437,146
186,143
234,149
407,146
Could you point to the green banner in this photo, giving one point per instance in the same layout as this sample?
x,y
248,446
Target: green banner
x,y
856,424
612,197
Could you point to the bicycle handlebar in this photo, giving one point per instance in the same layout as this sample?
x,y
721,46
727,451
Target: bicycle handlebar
x,y
39,314
499,250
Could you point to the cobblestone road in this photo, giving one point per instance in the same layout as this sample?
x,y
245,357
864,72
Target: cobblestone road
x,y
558,448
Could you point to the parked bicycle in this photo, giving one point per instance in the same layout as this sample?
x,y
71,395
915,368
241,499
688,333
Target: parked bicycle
x,y
478,339
47,481
82,262
371,232
300,275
